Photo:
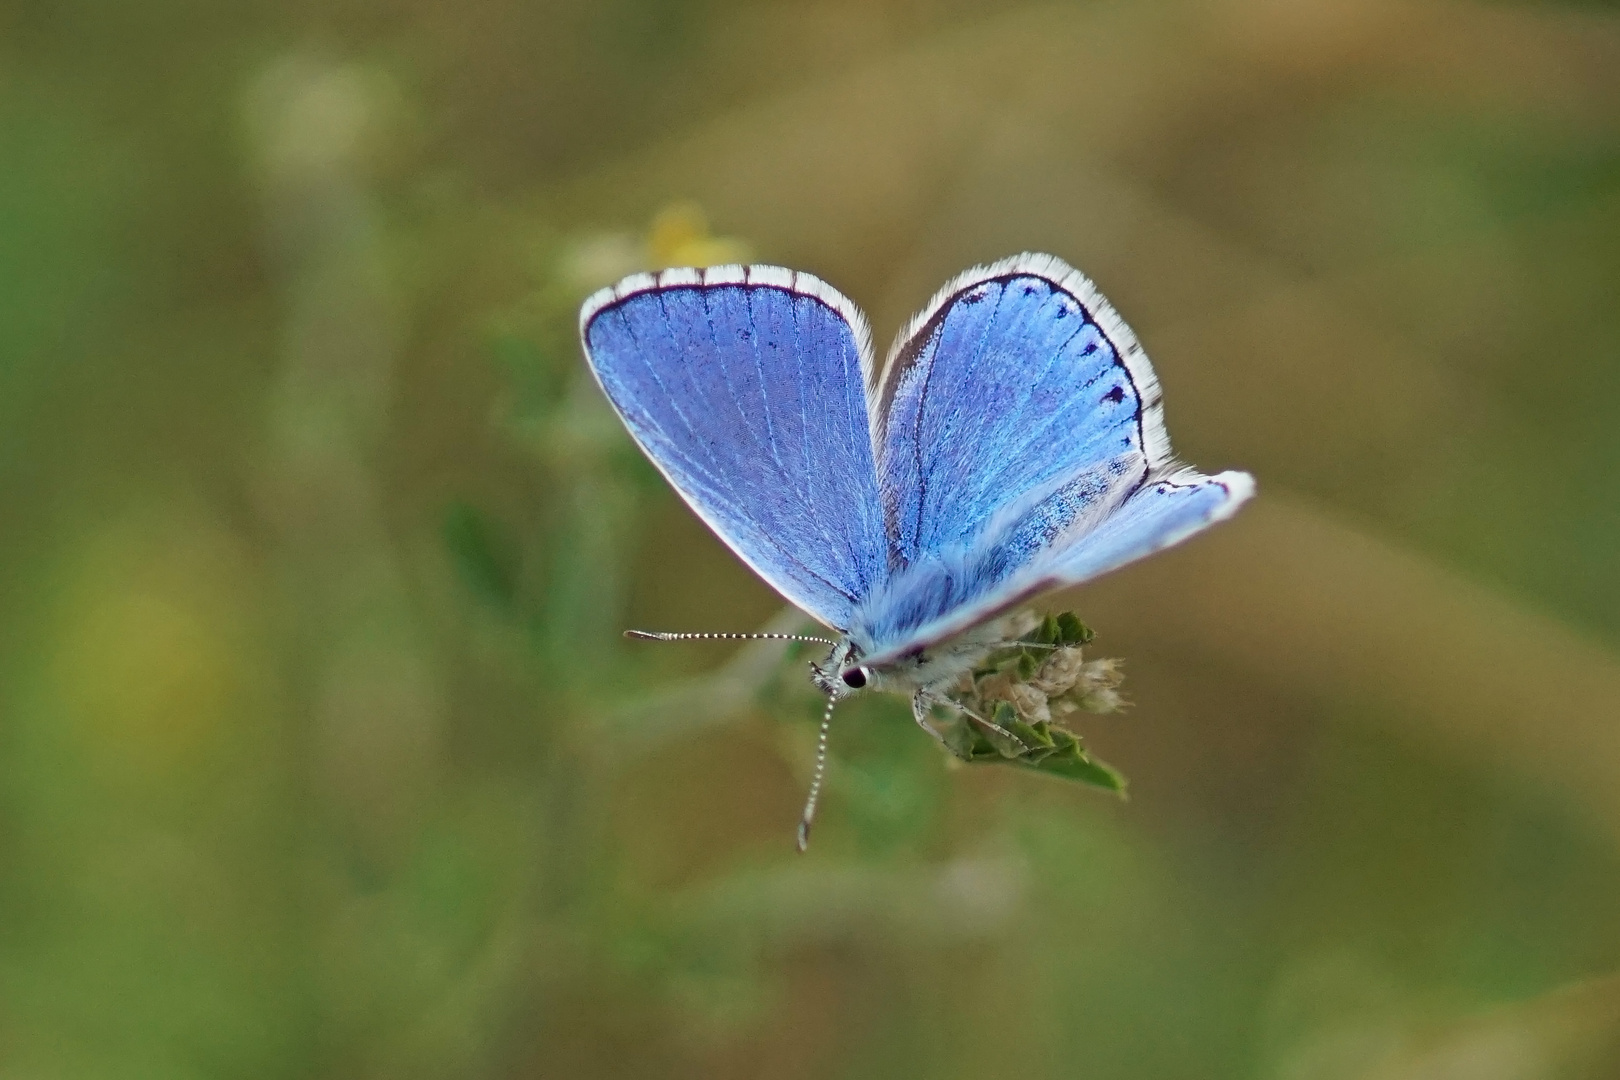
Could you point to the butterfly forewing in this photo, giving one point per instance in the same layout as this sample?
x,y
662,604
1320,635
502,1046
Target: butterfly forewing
x,y
745,386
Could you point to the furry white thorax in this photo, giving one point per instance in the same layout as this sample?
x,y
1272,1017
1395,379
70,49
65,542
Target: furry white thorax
x,y
928,670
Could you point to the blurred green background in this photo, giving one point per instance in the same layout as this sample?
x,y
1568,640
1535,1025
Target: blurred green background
x,y
320,754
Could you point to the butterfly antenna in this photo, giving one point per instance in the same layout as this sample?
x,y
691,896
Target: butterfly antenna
x,y
659,635
815,781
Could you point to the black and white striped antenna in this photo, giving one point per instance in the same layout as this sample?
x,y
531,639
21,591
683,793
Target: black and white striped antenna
x,y
808,818
661,635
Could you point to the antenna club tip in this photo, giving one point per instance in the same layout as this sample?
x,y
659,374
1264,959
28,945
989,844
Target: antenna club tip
x,y
643,635
803,843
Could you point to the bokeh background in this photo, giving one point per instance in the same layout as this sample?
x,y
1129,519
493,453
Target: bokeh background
x,y
320,753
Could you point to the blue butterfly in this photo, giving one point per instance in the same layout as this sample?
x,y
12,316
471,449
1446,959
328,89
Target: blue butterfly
x,y
1012,442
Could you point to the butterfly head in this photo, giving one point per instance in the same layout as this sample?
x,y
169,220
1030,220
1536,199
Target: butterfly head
x,y
842,673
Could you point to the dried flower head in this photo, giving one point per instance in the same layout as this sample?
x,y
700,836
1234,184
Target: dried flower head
x,y
1005,709
1058,674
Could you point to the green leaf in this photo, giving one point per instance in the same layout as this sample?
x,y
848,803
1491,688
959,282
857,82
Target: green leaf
x,y
1071,631
1047,633
1078,765
1067,741
1031,735
1007,745
1040,745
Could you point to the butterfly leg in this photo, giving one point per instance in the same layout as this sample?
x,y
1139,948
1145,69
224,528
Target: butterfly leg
x,y
922,704
1005,742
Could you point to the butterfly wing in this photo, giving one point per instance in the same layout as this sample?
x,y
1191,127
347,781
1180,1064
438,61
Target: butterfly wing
x,y
745,386
1022,447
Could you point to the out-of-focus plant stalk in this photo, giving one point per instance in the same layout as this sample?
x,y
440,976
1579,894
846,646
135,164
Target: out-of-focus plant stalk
x,y
375,713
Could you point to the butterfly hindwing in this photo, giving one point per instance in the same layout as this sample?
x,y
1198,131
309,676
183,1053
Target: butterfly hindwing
x,y
1164,511
744,386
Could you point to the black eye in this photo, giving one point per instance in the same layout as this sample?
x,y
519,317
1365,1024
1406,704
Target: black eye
x,y
854,678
